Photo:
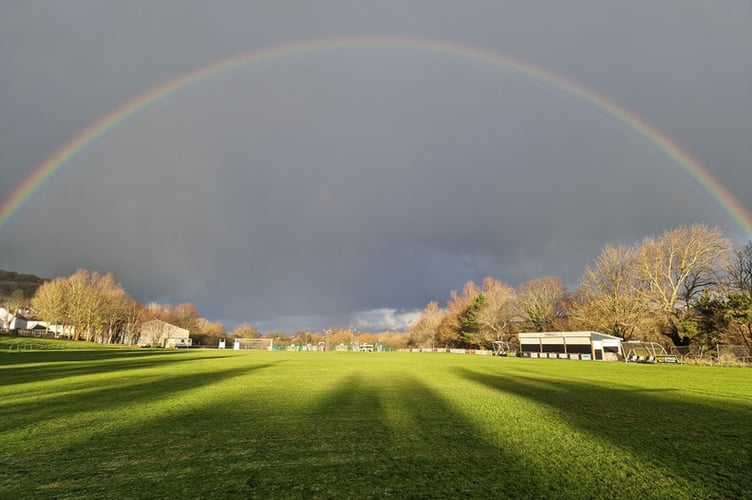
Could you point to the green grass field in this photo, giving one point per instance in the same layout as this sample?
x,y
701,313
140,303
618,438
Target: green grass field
x,y
214,424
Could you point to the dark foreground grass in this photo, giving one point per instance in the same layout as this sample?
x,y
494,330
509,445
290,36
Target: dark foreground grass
x,y
213,424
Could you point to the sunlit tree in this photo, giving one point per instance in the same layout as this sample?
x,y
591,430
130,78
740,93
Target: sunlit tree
x,y
539,303
186,316
496,317
50,300
424,331
674,268
450,331
607,300
245,331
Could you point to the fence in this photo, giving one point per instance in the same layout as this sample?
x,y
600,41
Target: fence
x,y
26,346
721,354
734,354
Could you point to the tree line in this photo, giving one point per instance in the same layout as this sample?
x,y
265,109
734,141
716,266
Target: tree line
x,y
94,307
686,286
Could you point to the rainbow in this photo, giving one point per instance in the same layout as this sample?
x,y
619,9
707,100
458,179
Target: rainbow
x,y
64,154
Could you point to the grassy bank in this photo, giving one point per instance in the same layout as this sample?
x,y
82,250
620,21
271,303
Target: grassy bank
x,y
179,424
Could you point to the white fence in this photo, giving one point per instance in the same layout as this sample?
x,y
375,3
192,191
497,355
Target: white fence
x,y
476,352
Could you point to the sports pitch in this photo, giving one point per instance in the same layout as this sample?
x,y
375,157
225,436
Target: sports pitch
x,y
222,424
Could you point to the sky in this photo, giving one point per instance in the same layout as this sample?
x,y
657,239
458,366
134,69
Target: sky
x,y
350,186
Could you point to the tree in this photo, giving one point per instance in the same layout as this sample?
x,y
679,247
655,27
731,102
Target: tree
x,y
366,338
450,331
673,269
709,318
392,340
740,269
495,319
339,335
78,303
17,300
114,312
424,331
186,316
739,317
133,314
722,319
539,302
245,331
158,311
470,325
607,300
208,332
93,305
50,300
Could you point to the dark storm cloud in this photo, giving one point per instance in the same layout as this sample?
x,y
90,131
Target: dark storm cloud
x,y
351,187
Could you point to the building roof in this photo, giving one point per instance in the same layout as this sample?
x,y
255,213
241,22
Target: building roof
x,y
158,323
591,335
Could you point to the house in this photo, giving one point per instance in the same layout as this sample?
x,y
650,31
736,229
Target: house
x,y
571,345
38,328
158,333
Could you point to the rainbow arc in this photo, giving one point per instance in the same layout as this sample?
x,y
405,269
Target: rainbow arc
x,y
720,194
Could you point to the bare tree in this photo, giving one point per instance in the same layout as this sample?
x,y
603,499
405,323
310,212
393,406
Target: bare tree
x,y
114,312
133,319
673,269
90,298
740,269
607,300
539,302
498,312
17,300
424,331
50,300
158,311
93,305
245,331
186,316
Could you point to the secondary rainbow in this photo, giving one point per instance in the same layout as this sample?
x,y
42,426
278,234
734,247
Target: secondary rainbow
x,y
64,154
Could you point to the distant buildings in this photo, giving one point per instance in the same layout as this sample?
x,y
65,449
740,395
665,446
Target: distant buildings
x,y
25,322
158,333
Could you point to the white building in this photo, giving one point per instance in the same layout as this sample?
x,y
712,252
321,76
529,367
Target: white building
x,y
158,333
571,345
39,327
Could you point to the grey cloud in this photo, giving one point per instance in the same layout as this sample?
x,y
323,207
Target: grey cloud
x,y
351,186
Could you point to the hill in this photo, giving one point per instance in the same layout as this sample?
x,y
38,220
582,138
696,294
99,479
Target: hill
x,y
11,281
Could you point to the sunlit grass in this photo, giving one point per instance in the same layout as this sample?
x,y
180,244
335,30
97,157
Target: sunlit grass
x,y
208,424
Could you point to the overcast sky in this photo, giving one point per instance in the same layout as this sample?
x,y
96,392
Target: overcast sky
x,y
350,187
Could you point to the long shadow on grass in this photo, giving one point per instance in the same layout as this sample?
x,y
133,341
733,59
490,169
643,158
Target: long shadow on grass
x,y
105,405
370,440
51,365
16,358
708,445
88,431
